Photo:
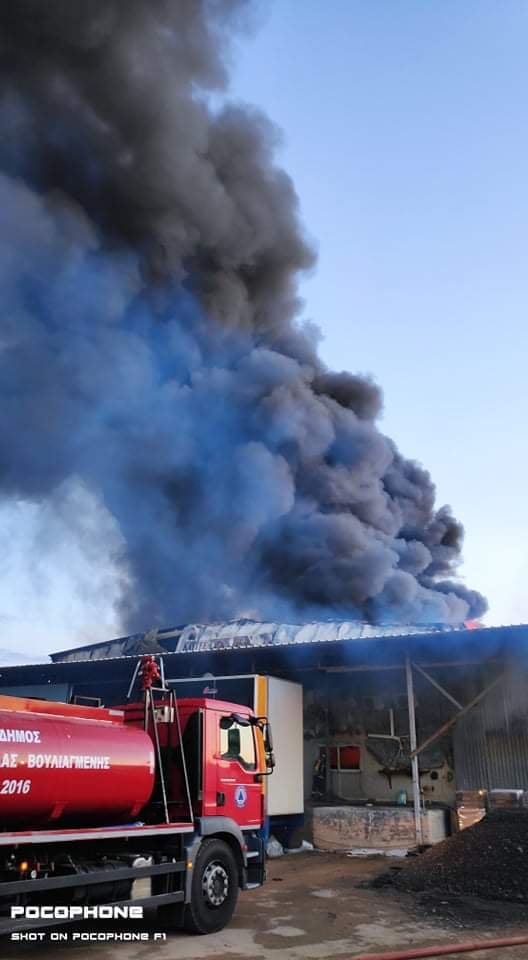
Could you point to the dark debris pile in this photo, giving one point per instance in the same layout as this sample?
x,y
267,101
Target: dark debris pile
x,y
488,860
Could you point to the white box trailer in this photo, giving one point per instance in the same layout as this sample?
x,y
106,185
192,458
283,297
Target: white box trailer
x,y
282,702
285,787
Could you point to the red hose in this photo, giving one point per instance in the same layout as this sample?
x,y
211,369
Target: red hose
x,y
414,953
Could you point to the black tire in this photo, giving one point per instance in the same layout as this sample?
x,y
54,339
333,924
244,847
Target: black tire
x,y
214,889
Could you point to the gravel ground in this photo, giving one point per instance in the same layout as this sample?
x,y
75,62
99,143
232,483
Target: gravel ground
x,y
488,860
316,906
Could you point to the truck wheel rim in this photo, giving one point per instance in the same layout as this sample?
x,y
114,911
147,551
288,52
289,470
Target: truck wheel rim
x,y
215,884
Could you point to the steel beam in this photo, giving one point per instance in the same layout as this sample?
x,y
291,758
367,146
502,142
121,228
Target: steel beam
x,y
414,757
451,723
438,686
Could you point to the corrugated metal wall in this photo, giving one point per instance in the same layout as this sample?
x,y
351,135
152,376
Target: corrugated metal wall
x,y
491,742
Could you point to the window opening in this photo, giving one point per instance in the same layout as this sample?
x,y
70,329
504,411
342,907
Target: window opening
x,y
345,757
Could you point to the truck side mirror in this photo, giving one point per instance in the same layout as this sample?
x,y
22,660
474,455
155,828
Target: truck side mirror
x,y
268,746
268,738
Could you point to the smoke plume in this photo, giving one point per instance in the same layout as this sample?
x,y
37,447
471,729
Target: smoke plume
x,y
150,344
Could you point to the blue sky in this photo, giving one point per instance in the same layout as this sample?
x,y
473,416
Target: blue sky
x,y
405,129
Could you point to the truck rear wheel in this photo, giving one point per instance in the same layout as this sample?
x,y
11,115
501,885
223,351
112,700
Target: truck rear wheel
x,y
214,890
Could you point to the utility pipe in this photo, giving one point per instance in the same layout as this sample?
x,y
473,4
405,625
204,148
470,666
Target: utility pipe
x,y
415,953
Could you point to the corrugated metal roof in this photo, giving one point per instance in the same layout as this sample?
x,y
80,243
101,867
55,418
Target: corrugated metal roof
x,y
253,633
246,633
237,634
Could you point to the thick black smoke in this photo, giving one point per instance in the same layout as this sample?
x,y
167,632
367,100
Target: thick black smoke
x,y
149,344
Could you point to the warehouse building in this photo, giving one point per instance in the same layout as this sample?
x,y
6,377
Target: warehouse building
x,y
402,726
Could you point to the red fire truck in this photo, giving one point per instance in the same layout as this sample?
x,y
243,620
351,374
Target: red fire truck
x,y
94,799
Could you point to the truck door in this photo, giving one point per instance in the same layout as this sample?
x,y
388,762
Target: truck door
x,y
239,790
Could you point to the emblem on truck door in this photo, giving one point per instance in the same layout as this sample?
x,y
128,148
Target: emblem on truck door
x,y
241,796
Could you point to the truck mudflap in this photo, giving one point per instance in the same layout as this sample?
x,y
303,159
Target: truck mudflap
x,y
255,862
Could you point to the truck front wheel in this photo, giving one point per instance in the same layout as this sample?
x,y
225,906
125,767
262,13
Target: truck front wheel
x,y
214,889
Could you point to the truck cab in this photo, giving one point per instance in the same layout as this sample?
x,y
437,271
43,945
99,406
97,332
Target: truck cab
x,y
213,754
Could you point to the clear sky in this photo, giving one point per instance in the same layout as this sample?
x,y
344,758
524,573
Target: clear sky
x,y
405,129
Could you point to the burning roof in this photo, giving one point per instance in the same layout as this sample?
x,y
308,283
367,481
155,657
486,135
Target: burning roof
x,y
239,635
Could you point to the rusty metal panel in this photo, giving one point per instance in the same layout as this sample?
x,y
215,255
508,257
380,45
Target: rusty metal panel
x,y
469,749
491,742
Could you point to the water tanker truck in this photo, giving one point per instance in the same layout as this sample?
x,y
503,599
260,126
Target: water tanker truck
x,y
160,790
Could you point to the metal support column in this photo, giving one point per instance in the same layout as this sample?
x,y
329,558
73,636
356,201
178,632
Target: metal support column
x,y
413,743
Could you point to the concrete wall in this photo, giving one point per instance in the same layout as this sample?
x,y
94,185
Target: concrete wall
x,y
374,828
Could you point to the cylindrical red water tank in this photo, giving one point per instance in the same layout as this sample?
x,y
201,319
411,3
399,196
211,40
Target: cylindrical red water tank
x,y
70,769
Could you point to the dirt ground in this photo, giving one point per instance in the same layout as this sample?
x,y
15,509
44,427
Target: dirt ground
x,y
316,906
